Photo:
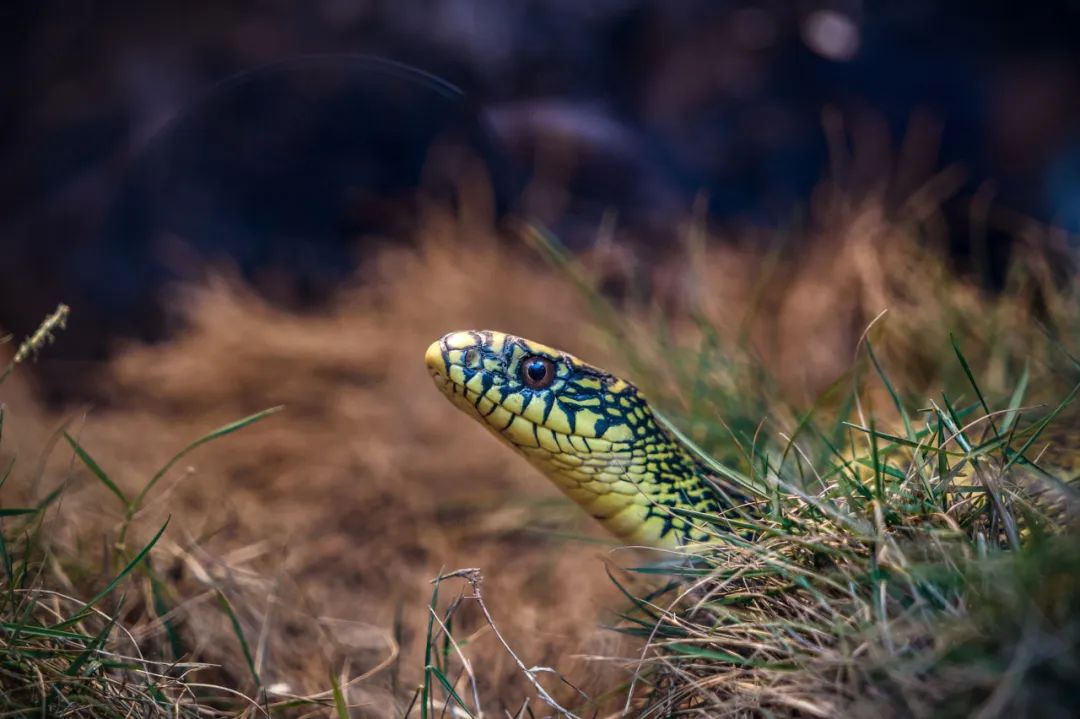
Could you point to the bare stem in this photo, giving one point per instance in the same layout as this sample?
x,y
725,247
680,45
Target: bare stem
x,y
474,578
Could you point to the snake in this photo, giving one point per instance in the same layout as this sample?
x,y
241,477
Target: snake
x,y
592,433
597,438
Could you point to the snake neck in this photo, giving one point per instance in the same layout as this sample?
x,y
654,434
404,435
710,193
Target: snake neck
x,y
640,490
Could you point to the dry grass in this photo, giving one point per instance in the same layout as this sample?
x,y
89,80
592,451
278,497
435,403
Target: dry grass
x,y
913,545
323,525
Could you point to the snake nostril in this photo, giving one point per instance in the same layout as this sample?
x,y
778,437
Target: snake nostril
x,y
434,360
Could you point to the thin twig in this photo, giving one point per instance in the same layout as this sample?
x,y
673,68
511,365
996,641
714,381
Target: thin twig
x,y
474,578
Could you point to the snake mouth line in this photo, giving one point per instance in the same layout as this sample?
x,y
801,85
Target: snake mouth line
x,y
459,390
456,389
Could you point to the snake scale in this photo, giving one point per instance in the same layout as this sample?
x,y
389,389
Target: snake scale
x,y
589,431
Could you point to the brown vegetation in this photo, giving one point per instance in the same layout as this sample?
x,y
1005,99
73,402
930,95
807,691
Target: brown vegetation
x,y
325,523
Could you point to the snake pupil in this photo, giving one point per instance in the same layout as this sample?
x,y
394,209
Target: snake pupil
x,y
538,372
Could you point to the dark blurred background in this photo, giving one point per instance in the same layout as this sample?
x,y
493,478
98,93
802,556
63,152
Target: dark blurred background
x,y
139,140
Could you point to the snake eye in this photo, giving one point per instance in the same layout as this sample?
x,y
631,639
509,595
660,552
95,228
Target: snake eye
x,y
537,372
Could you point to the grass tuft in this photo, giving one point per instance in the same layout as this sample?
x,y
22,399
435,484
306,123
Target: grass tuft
x,y
917,559
910,545
65,655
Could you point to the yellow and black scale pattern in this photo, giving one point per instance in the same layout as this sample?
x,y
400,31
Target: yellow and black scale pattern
x,y
592,433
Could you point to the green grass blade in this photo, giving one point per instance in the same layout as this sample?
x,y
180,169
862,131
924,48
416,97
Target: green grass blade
x,y
1043,424
703,653
1017,398
115,582
94,646
7,472
340,706
425,694
5,555
955,427
96,469
875,458
450,689
45,632
249,659
891,390
161,608
739,479
16,511
216,434
943,460
631,596
971,379
896,441
51,497
448,627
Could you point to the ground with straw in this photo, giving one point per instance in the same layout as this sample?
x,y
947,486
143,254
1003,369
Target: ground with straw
x,y
911,470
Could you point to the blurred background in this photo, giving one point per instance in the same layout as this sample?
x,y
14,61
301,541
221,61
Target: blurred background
x,y
258,203
291,139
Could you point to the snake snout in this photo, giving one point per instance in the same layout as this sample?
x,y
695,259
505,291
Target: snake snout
x,y
436,361
447,357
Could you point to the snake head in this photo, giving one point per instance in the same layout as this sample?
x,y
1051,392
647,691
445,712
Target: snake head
x,y
590,432
516,386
